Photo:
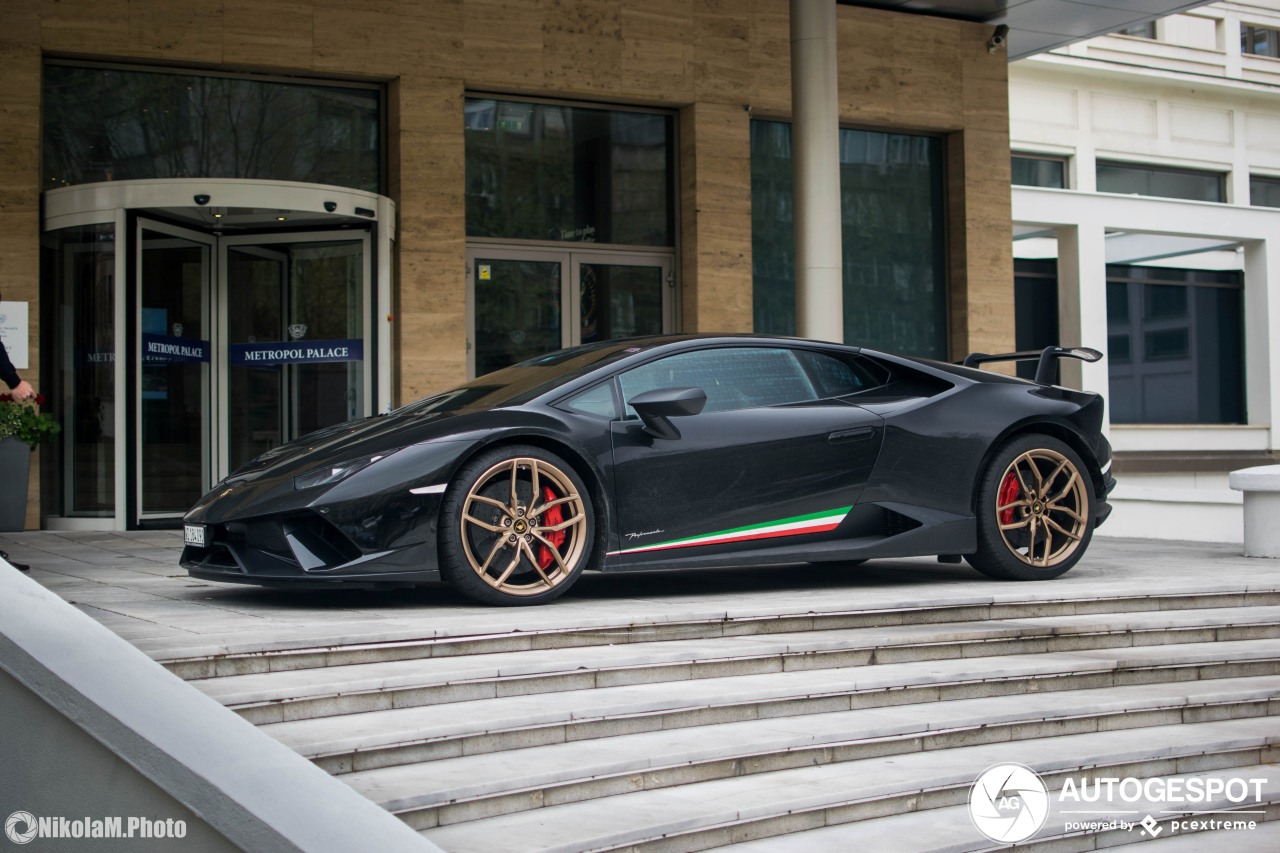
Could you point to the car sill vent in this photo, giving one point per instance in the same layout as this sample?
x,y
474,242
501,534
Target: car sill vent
x,y
894,523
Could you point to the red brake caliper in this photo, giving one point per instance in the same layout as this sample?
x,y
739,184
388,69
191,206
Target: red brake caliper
x,y
550,518
1009,489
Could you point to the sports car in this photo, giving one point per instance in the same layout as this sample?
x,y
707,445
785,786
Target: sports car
x,y
674,451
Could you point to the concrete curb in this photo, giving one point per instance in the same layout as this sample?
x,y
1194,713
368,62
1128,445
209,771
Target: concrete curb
x,y
251,790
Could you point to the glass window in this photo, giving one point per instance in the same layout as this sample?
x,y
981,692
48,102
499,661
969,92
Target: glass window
x,y
77,376
554,172
103,123
1035,310
891,200
1143,31
1264,192
1175,343
1160,181
838,377
596,400
1259,41
1039,171
733,378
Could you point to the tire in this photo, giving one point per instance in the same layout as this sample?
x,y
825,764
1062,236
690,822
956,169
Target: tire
x,y
502,544
1035,511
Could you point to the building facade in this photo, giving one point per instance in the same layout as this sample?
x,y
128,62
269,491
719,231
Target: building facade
x,y
1146,205
228,224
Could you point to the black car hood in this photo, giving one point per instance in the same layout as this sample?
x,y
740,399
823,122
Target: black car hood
x,y
352,439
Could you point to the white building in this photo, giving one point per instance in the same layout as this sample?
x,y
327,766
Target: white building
x,y
1146,203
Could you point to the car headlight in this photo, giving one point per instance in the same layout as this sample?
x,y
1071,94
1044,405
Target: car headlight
x,y
330,474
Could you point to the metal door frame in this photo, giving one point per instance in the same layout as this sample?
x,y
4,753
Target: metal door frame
x,y
570,257
221,346
209,427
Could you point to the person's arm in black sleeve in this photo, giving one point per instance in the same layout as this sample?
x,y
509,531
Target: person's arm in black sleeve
x,y
7,371
19,389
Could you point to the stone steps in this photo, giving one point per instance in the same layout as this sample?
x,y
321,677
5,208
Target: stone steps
x,y
355,688
278,656
417,733
949,829
453,790
696,733
711,814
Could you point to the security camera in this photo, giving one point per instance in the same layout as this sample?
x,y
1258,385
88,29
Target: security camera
x,y
331,206
201,199
998,38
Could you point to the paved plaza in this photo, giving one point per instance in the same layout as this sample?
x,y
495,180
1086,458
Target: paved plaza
x,y
132,584
804,708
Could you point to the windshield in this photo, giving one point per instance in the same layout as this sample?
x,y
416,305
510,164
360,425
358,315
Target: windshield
x,y
522,382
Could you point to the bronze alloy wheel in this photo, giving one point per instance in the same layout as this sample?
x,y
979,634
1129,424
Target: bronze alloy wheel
x,y
524,526
1042,508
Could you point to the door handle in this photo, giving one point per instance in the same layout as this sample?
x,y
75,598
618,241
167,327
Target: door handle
x,y
851,435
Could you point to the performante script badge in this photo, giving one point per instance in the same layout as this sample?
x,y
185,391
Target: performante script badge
x,y
1009,803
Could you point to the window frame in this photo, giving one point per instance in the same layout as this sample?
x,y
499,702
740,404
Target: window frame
x,y
772,213
302,82
1148,28
1265,180
563,242
1161,168
1064,161
1139,328
1249,38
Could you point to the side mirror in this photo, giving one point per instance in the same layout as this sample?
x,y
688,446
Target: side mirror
x,y
656,407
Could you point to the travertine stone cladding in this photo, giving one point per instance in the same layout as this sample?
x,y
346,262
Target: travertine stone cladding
x,y
715,62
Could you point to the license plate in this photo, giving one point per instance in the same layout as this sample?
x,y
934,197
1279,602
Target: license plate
x,y
194,534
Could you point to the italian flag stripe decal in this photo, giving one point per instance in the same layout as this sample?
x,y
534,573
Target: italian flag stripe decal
x,y
816,522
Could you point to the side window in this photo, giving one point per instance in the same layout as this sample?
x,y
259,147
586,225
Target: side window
x,y
837,376
733,377
596,400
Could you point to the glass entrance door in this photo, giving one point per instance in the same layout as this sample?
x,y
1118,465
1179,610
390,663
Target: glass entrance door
x,y
173,398
618,297
244,343
295,323
517,307
526,302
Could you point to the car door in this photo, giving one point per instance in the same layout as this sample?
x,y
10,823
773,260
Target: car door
x,y
772,454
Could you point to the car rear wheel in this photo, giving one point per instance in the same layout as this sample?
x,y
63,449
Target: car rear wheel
x,y
516,527
1035,511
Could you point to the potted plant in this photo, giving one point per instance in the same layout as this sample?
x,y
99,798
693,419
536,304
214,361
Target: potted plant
x,y
22,427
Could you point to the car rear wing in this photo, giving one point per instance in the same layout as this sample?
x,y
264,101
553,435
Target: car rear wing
x,y
1048,358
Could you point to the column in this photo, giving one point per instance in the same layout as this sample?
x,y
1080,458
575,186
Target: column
x,y
815,138
1261,321
1082,302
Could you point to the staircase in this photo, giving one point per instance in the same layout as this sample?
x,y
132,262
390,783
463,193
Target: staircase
x,y
788,731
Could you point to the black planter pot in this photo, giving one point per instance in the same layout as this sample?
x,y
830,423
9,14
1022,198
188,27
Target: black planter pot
x,y
15,463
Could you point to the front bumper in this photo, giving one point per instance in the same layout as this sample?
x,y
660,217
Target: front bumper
x,y
304,548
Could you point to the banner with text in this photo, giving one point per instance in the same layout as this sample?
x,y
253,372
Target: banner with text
x,y
266,354
162,349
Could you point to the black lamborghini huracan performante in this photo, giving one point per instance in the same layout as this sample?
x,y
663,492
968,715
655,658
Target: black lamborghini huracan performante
x,y
676,451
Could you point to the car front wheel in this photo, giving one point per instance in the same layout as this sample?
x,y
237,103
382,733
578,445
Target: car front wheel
x,y
1035,511
516,527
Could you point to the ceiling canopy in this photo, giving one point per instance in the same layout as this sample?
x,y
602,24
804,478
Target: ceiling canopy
x,y
1039,25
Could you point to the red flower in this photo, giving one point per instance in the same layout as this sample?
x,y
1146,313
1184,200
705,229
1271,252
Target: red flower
x,y
8,398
